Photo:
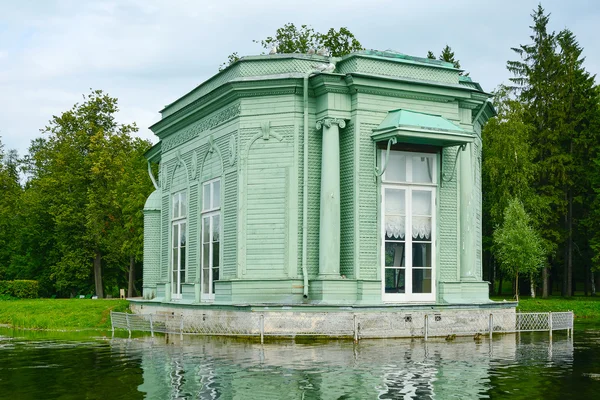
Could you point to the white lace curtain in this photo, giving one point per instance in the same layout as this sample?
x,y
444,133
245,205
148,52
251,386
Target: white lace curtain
x,y
395,218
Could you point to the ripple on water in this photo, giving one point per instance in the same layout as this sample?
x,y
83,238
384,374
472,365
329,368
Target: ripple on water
x,y
509,366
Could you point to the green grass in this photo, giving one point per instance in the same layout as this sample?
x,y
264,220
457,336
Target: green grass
x,y
59,314
583,307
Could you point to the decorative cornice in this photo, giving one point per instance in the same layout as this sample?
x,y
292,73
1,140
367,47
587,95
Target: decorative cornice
x,y
223,96
204,124
327,122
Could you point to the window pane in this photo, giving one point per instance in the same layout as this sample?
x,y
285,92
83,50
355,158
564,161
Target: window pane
x,y
216,254
394,255
396,167
394,280
182,235
183,202
205,281
395,210
421,280
206,197
174,282
216,227
421,202
422,169
421,211
176,205
216,194
182,262
205,229
175,235
215,278
205,256
421,254
395,202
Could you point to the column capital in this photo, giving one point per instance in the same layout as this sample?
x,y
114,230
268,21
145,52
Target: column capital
x,y
328,121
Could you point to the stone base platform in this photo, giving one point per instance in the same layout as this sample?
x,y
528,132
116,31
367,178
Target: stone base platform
x,y
343,321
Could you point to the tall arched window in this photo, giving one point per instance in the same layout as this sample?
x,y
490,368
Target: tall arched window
x,y
211,236
178,242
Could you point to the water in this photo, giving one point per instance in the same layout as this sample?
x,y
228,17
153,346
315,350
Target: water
x,y
35,365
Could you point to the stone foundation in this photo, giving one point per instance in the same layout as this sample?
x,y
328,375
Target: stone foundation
x,y
334,321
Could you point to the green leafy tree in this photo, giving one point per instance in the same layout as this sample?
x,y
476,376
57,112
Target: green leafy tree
x,y
74,171
508,169
10,190
518,245
558,95
304,39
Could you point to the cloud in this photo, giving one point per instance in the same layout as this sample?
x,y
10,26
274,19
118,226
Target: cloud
x,y
147,53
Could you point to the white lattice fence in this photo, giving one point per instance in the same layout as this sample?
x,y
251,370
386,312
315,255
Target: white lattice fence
x,y
343,324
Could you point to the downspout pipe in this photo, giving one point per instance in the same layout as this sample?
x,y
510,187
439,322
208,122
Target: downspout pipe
x,y
152,178
305,187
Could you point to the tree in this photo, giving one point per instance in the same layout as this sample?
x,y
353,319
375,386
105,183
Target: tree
x,y
508,169
559,100
74,174
9,201
518,245
291,39
534,82
446,55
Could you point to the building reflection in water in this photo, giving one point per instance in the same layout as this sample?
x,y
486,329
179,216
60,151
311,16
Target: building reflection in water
x,y
212,368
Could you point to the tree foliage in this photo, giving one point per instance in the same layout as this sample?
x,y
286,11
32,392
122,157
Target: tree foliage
x,y
518,245
446,55
558,103
78,199
304,39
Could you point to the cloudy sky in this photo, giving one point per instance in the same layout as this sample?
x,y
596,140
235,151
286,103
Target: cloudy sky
x,y
147,53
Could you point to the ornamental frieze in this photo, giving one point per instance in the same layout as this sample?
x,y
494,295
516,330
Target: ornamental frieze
x,y
204,124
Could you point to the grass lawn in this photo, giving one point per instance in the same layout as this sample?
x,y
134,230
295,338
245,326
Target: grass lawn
x,y
60,314
583,307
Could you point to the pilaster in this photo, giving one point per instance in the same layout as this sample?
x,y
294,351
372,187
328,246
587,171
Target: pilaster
x,y
329,228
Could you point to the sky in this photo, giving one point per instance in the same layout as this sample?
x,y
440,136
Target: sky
x,y
148,53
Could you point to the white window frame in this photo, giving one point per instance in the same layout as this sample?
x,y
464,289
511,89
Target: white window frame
x,y
209,212
179,220
408,186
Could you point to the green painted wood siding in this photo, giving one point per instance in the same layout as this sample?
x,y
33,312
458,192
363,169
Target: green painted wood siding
x,y
448,220
367,204
193,256
268,171
230,228
347,202
315,144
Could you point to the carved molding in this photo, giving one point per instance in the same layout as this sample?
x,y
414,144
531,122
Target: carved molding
x,y
180,163
211,151
194,164
327,122
204,124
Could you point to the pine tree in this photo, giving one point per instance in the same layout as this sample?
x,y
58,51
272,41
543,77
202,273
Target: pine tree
x,y
535,83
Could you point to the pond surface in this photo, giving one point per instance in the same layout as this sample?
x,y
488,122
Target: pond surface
x,y
38,365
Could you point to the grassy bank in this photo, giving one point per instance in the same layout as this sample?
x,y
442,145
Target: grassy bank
x,y
59,314
582,307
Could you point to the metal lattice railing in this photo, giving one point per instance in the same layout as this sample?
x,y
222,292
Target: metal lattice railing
x,y
343,324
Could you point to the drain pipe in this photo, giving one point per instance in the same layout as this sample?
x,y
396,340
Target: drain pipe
x,y
305,187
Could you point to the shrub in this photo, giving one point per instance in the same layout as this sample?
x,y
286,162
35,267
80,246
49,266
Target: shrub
x,y
20,289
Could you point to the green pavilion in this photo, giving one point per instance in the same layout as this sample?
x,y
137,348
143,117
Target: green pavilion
x,y
302,180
